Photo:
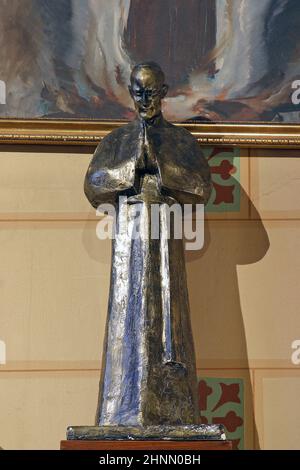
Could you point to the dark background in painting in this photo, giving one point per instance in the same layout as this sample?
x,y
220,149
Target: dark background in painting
x,y
158,31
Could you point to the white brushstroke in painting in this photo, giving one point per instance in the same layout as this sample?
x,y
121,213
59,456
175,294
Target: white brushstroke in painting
x,y
242,55
105,51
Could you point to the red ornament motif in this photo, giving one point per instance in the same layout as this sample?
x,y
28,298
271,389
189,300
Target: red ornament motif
x,y
223,194
231,421
230,393
221,402
224,170
204,392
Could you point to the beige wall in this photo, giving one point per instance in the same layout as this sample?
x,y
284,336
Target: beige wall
x,y
54,275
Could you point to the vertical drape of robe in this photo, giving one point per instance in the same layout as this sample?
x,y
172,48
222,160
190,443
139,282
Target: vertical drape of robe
x,y
149,374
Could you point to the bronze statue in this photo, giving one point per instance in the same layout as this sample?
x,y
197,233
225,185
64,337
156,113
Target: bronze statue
x,y
148,386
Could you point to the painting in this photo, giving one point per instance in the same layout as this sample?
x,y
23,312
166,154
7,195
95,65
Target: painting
x,y
226,61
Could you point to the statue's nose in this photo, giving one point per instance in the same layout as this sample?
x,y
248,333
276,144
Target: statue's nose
x,y
145,98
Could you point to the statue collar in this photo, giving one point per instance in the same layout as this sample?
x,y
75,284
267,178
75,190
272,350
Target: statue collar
x,y
156,121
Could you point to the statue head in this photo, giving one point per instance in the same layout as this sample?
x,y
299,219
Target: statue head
x,y
147,89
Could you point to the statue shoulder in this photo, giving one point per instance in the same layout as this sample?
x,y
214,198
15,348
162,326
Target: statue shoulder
x,y
183,132
185,143
114,137
113,147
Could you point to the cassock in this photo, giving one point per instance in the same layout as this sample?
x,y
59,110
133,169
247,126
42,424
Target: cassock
x,y
149,372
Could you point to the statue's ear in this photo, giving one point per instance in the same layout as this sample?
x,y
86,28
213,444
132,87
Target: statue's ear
x,y
164,90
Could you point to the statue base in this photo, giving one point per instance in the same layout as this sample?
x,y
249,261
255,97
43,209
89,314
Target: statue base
x,y
135,445
189,437
191,432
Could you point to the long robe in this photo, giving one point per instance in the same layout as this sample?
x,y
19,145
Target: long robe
x,y
149,373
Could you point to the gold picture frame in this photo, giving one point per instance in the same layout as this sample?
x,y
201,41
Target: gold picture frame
x,y
90,132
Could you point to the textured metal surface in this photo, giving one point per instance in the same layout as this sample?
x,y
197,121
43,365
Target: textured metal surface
x,y
148,373
189,432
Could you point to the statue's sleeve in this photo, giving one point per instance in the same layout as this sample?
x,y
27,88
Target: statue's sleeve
x,y
107,176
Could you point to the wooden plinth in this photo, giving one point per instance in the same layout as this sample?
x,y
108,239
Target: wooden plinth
x,y
145,445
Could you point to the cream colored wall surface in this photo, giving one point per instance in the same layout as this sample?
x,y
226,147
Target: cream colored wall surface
x,y
277,408
54,280
37,407
54,287
42,185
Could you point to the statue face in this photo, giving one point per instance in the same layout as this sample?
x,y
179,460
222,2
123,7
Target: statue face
x,y
147,92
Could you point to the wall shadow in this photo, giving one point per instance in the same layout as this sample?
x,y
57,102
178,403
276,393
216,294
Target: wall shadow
x,y
216,313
